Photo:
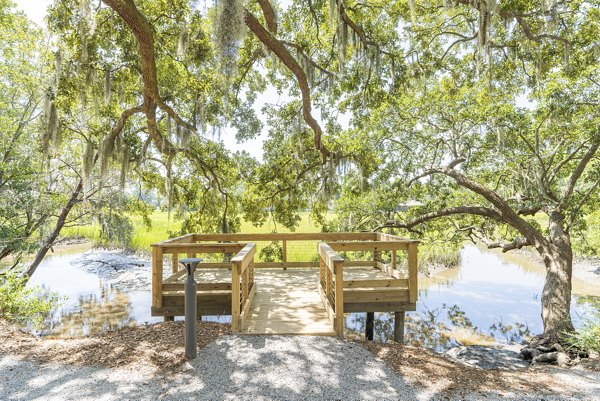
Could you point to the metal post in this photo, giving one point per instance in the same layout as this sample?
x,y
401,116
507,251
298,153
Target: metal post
x,y
191,313
369,326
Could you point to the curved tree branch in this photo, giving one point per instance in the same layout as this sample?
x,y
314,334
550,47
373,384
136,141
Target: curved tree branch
x,y
288,60
474,210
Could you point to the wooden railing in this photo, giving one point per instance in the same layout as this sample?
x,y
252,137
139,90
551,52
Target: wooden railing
x,y
175,247
331,288
339,296
242,293
366,295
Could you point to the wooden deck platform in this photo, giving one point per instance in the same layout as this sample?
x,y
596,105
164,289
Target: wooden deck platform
x,y
288,302
289,297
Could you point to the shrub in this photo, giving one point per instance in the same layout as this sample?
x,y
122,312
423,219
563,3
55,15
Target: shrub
x,y
24,304
587,337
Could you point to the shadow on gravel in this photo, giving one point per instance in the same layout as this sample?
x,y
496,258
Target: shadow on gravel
x,y
293,367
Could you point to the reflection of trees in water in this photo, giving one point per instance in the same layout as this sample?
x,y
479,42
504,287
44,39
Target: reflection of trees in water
x,y
591,303
437,329
109,310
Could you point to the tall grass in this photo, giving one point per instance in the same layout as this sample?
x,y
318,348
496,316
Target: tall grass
x,y
163,226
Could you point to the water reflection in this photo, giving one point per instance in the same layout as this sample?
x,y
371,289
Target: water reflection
x,y
112,309
488,299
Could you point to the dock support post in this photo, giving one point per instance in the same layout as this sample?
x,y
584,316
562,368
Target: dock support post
x,y
169,318
399,326
369,326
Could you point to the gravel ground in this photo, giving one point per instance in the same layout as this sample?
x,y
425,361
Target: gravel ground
x,y
256,368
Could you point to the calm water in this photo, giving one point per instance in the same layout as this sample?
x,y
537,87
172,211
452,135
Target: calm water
x,y
488,298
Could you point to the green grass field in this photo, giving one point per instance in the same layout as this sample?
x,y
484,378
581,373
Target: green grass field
x,y
162,226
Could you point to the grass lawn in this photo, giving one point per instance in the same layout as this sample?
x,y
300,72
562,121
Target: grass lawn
x,y
162,226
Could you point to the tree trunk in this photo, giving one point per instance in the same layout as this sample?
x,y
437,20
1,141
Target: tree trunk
x,y
41,253
556,297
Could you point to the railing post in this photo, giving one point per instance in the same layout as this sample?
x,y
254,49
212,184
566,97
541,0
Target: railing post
x,y
235,296
394,260
413,286
175,262
338,267
284,254
157,273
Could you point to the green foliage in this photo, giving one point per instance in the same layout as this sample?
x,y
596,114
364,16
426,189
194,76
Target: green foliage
x,y
271,253
24,304
587,336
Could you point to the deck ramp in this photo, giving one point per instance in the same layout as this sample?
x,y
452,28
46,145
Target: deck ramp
x,y
288,302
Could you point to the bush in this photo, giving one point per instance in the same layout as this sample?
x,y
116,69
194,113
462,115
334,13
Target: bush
x,y
587,337
22,304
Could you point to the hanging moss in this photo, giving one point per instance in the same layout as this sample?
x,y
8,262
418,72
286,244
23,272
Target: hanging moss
x,y
88,160
124,168
107,86
184,42
230,31
106,153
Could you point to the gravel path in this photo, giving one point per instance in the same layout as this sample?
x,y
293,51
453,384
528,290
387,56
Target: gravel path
x,y
236,367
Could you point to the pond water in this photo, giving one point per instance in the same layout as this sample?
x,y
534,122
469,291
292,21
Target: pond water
x,y
489,298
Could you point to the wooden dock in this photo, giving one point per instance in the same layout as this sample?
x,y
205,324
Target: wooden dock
x,y
289,296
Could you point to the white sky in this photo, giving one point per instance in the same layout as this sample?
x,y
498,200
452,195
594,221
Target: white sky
x,y
35,9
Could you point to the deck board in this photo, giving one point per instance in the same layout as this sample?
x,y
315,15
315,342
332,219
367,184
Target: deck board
x,y
288,302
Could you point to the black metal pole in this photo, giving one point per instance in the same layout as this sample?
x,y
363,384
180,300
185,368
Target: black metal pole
x,y
190,313
369,326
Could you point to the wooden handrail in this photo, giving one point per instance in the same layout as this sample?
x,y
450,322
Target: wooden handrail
x,y
242,294
243,258
330,256
332,265
364,236
199,248
369,245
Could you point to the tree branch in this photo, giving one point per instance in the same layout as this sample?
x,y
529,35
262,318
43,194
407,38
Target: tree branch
x,y
474,210
288,60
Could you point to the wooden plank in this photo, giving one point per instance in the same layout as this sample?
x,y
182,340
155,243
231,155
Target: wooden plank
x,y
376,283
357,295
390,237
344,246
328,307
271,265
284,254
413,285
235,297
219,309
244,257
187,238
345,236
329,256
378,307
199,286
246,311
175,263
214,299
339,298
288,302
157,272
202,248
